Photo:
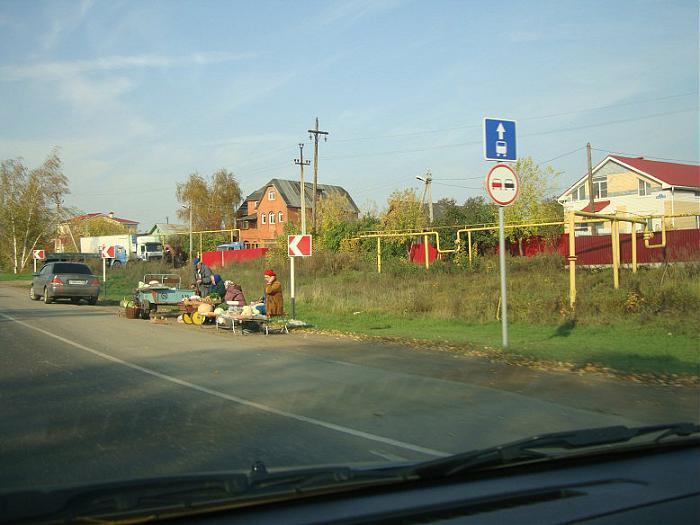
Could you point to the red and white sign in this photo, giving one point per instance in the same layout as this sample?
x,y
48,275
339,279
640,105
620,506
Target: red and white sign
x,y
107,252
38,254
503,185
299,245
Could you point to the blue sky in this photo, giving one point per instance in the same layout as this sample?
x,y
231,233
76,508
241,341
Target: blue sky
x,y
139,94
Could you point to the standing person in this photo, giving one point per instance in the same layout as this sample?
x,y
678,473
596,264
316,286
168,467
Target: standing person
x,y
203,277
273,302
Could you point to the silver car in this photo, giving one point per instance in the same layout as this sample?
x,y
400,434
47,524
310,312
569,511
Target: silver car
x,y
58,280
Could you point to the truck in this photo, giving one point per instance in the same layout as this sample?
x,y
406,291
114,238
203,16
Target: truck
x,y
127,247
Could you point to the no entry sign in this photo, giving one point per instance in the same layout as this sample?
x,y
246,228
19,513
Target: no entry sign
x,y
502,185
299,245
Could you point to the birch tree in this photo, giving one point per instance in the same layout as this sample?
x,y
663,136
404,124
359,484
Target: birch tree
x,y
30,207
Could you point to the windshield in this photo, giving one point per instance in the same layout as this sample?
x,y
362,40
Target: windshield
x,y
409,230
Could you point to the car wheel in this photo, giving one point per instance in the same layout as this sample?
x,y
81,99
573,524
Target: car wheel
x,y
75,300
32,295
92,300
47,299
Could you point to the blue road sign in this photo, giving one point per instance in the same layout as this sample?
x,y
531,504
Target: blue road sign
x,y
499,140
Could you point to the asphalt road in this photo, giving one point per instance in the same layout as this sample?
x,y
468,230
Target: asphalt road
x,y
88,396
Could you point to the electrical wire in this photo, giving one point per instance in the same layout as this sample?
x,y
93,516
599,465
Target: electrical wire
x,y
535,117
654,157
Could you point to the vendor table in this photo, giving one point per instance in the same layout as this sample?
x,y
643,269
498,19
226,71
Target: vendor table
x,y
262,322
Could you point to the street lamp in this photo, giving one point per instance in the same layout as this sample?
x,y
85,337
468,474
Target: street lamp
x,y
189,208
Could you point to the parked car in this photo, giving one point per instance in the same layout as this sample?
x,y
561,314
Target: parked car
x,y
57,280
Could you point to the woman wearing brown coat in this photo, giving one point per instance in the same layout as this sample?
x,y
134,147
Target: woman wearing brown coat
x,y
274,302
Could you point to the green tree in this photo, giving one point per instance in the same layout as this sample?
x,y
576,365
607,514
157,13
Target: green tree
x,y
403,212
213,201
537,187
336,217
30,207
477,211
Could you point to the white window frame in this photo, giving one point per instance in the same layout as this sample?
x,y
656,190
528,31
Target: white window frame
x,y
271,219
271,195
643,188
263,218
597,186
279,217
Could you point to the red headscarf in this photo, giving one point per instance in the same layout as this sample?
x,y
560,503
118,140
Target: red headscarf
x,y
270,273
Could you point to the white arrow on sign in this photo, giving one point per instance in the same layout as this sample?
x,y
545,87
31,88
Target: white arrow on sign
x,y
299,245
500,130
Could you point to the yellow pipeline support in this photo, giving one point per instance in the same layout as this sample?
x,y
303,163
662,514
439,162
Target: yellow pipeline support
x,y
426,251
469,240
633,228
615,239
572,260
648,235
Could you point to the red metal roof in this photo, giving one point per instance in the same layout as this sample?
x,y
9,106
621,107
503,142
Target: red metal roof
x,y
597,206
669,172
106,215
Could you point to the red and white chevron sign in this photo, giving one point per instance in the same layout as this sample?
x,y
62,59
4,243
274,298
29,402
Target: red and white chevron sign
x,y
38,254
107,252
299,245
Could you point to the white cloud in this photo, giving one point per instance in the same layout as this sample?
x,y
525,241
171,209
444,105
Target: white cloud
x,y
65,21
350,11
62,69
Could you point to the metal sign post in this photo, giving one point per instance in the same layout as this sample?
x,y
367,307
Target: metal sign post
x,y
503,186
502,267
291,285
297,246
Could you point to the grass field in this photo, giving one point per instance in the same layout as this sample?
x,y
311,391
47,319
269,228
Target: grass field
x,y
650,325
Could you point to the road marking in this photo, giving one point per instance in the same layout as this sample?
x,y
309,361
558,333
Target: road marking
x,y
239,400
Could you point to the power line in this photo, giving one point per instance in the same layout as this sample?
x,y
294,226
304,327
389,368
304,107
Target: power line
x,y
534,117
475,142
645,156
562,155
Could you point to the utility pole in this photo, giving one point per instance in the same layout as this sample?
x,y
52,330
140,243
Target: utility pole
x,y
301,163
316,132
429,190
590,185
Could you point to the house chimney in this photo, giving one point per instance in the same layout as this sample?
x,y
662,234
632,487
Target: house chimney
x,y
111,215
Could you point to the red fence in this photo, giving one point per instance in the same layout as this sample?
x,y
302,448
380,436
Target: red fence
x,y
681,245
218,259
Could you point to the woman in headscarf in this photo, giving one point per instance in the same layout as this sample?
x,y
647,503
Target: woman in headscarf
x,y
273,302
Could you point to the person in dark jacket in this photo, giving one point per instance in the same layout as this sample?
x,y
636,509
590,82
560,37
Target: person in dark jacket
x,y
218,287
234,292
203,277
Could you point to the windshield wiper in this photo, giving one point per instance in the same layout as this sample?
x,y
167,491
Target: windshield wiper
x,y
140,500
531,448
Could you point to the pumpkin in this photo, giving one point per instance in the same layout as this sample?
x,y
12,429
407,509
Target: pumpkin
x,y
205,308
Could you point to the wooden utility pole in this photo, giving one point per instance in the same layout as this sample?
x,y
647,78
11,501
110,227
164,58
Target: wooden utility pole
x,y
315,133
302,188
428,189
591,198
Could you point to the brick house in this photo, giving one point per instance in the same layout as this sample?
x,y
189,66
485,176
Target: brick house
x,y
263,214
638,186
